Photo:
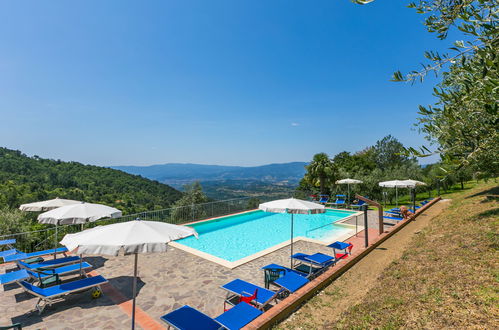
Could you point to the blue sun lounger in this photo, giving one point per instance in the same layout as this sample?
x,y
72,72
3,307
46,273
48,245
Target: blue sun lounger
x,y
340,246
40,276
8,242
53,263
48,296
188,318
290,282
9,252
324,199
22,255
238,288
316,263
393,218
14,276
359,204
340,200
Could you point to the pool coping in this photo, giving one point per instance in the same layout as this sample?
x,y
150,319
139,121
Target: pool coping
x,y
242,261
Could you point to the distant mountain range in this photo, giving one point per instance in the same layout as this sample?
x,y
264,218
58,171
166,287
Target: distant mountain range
x,y
224,182
286,173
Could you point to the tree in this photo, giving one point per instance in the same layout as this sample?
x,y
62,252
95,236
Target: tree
x,y
464,122
320,172
387,153
187,208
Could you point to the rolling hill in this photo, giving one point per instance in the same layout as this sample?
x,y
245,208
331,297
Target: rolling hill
x,y
26,179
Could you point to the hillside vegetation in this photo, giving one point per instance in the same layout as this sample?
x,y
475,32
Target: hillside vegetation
x,y
26,179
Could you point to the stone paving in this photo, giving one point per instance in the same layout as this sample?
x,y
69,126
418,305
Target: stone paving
x,y
167,281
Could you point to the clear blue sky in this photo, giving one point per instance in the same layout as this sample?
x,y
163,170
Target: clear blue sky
x,y
213,82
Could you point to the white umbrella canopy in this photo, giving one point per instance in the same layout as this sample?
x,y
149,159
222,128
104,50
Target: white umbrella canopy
x,y
128,237
415,182
397,184
78,213
131,237
348,182
292,206
47,205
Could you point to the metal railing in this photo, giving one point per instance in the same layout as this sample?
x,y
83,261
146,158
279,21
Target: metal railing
x,y
44,239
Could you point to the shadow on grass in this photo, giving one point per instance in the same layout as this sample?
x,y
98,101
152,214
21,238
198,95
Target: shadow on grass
x,y
491,191
489,213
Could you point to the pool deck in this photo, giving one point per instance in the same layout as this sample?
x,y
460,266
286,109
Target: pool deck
x,y
166,281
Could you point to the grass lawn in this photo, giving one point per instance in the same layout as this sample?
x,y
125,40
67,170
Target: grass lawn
x,y
447,278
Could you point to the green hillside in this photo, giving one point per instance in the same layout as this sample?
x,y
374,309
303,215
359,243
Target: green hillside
x,y
26,179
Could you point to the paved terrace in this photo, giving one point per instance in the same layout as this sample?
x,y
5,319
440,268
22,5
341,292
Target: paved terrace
x,y
167,281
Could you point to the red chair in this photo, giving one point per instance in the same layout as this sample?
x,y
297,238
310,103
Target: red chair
x,y
242,298
350,247
248,299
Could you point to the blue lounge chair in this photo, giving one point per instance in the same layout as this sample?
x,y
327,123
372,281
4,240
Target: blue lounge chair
x,y
9,252
42,275
47,296
14,276
341,246
273,271
237,288
312,264
393,218
324,199
188,318
53,263
22,256
8,242
290,282
359,204
340,201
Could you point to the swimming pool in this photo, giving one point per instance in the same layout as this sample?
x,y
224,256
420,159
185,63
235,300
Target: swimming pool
x,y
237,237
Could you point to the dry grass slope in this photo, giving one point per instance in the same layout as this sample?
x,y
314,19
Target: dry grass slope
x,y
447,278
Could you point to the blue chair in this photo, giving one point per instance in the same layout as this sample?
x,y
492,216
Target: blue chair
x,y
23,256
393,218
53,263
188,318
48,296
341,246
290,282
324,199
45,276
238,288
8,242
340,201
273,271
359,204
312,264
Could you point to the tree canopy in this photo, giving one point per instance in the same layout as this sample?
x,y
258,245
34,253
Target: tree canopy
x,y
463,123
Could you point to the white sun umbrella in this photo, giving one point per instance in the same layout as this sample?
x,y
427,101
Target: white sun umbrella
x,y
47,205
77,213
292,206
131,237
397,184
415,183
348,182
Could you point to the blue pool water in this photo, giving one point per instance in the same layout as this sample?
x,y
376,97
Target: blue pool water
x,y
234,237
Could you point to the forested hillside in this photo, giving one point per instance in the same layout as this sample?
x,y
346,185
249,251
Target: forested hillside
x,y
26,179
